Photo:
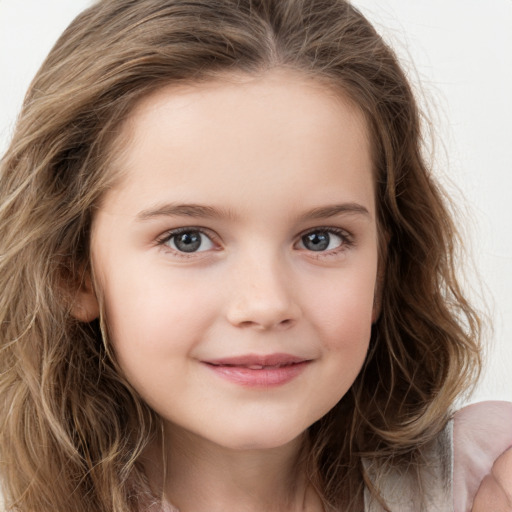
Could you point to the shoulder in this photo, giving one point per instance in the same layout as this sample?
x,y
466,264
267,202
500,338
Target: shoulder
x,y
481,433
495,491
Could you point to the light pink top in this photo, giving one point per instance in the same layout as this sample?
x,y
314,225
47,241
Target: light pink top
x,y
456,463
481,432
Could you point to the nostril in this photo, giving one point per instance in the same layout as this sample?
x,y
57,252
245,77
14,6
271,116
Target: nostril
x,y
263,312
283,324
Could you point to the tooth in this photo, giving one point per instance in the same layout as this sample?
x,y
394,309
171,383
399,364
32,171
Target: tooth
x,y
255,367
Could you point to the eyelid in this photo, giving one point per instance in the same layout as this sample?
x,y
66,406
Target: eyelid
x,y
162,240
346,237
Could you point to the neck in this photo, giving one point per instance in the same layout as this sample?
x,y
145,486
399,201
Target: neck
x,y
201,476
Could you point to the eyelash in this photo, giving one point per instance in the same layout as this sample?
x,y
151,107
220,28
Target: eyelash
x,y
346,238
347,241
169,235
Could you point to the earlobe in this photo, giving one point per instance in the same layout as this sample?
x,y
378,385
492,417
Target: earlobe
x,y
85,307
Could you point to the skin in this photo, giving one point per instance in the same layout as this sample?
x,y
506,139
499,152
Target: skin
x,y
272,155
495,491
482,431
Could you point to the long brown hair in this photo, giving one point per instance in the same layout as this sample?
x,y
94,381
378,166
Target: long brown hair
x,y
71,428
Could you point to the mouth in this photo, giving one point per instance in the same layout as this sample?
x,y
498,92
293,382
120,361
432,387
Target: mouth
x,y
258,362
259,370
254,366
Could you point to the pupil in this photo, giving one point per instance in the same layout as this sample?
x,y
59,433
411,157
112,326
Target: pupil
x,y
188,242
316,241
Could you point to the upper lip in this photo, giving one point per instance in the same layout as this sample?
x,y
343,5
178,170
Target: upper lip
x,y
258,360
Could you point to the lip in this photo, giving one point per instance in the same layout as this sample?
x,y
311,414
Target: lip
x,y
255,370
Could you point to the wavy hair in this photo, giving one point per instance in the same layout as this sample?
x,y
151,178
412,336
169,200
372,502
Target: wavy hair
x,y
71,428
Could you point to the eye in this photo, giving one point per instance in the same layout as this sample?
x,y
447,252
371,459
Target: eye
x,y
187,240
323,240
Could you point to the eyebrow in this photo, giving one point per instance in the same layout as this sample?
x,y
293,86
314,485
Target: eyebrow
x,y
204,211
326,212
184,210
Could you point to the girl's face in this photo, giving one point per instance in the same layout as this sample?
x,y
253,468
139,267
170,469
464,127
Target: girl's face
x,y
237,256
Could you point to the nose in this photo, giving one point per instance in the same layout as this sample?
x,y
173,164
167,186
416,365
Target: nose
x,y
262,296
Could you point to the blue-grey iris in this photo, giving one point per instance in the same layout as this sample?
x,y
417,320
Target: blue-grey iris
x,y
318,241
188,242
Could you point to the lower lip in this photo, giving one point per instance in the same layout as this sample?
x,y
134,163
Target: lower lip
x,y
266,377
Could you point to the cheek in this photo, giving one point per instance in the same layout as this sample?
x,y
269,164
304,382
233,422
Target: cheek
x,y
344,312
150,321
343,327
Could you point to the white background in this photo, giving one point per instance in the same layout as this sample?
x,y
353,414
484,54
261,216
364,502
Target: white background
x,y
459,55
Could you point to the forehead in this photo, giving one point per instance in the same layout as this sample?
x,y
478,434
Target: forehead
x,y
279,127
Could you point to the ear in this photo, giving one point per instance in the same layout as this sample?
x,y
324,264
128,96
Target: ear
x,y
85,307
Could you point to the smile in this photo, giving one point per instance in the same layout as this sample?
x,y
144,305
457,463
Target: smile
x,y
256,366
259,371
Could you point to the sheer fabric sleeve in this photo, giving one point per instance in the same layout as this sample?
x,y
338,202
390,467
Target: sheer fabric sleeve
x,y
481,433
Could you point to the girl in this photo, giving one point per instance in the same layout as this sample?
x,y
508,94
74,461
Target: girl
x,y
228,274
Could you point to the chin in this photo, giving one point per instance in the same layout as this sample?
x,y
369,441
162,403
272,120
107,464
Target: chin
x,y
260,439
